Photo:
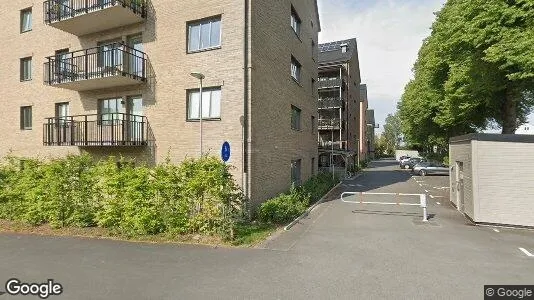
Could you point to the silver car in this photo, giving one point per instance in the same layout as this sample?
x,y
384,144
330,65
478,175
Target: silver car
x,y
426,168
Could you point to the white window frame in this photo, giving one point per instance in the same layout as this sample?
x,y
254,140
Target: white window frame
x,y
296,69
26,22
204,22
211,106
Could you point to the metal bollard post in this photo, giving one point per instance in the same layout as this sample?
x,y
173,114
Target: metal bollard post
x,y
423,205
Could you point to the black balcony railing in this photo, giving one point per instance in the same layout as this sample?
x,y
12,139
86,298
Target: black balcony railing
x,y
330,83
115,59
58,10
116,129
330,102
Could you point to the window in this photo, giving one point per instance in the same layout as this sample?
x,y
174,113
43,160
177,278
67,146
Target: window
x,y
211,104
110,54
62,112
26,118
111,111
295,172
295,69
26,20
313,88
313,166
314,49
313,124
26,69
204,35
295,21
295,118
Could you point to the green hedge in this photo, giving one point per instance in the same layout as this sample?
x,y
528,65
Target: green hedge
x,y
197,196
288,206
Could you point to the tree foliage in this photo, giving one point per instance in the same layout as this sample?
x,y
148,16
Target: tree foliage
x,y
392,136
196,196
475,69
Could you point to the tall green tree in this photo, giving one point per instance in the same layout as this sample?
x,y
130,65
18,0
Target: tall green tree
x,y
475,69
392,133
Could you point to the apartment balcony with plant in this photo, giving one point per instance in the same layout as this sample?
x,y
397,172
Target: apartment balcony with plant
x,y
105,66
81,17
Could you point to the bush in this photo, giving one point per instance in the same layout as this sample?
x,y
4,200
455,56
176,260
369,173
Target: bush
x,y
197,196
288,206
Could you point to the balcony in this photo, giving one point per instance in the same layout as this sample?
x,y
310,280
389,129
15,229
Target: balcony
x,y
106,66
331,103
331,83
81,17
330,124
111,130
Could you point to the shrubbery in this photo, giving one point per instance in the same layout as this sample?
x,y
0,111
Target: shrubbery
x,y
287,207
197,196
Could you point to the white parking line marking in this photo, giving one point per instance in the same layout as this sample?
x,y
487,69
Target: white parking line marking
x,y
526,252
496,230
438,203
426,191
432,197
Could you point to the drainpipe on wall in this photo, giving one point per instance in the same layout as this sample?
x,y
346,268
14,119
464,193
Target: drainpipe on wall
x,y
245,167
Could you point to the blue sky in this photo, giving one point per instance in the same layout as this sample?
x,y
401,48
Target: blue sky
x,y
389,34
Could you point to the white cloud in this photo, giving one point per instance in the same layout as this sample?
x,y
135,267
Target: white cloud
x,y
389,34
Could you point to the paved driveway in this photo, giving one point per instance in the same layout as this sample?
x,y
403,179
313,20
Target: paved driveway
x,y
341,251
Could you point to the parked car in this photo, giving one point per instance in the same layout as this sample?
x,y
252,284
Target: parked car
x,y
426,168
409,164
403,161
403,157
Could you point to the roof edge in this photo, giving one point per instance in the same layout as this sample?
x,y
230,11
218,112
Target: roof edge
x,y
318,16
492,137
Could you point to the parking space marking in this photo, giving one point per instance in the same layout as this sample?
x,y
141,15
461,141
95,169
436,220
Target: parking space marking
x,y
432,197
427,191
496,230
438,203
526,252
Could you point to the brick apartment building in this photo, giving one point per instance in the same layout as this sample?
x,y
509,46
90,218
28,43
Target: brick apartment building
x,y
342,111
113,77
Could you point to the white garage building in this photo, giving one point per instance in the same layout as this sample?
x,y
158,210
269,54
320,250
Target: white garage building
x,y
492,178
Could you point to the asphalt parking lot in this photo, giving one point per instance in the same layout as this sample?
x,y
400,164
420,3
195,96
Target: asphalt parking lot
x,y
340,251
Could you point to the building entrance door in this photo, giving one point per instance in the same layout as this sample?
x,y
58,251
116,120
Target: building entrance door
x,y
460,201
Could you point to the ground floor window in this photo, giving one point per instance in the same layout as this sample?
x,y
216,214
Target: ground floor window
x,y
211,104
26,118
295,172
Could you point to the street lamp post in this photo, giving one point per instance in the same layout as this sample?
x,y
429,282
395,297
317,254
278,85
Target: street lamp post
x,y
200,77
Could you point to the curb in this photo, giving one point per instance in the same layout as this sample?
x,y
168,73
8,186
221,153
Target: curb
x,y
307,212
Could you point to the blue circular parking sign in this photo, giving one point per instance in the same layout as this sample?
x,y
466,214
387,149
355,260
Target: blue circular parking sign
x,y
225,151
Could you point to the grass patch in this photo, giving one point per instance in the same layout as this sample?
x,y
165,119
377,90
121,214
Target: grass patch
x,y
250,234
246,234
